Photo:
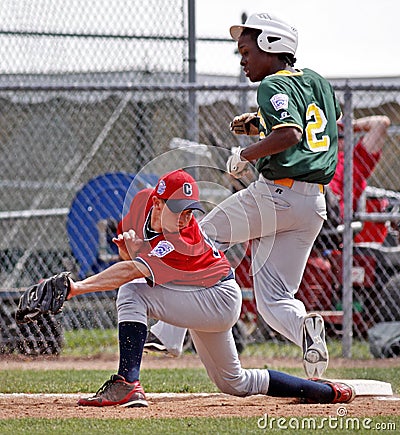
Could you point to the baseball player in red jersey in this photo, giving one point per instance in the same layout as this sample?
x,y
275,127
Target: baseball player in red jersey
x,y
188,283
207,266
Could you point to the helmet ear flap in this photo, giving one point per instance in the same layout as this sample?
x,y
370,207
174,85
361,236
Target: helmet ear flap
x,y
281,41
266,43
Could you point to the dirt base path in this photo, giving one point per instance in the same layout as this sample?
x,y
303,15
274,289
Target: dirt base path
x,y
190,405
183,405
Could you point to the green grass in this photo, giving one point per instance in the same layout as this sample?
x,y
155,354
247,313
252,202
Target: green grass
x,y
85,343
254,425
360,350
89,381
88,343
156,380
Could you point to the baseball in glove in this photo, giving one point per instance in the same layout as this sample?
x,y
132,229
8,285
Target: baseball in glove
x,y
46,297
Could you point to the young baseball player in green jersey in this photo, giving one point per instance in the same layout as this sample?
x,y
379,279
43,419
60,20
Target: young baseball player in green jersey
x,y
296,156
288,99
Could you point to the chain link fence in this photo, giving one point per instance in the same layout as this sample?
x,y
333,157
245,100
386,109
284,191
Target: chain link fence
x,y
94,36
96,114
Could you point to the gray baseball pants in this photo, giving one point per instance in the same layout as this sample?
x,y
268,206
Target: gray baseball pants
x,y
209,314
283,223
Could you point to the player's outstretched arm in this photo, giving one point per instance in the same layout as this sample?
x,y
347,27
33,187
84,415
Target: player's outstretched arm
x,y
110,278
374,129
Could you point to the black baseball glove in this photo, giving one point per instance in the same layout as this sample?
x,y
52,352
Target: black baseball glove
x,y
46,297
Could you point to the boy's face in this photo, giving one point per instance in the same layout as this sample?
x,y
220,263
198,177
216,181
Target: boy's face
x,y
172,222
257,64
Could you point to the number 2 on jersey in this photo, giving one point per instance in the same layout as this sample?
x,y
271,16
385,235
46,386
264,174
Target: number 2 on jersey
x,y
316,123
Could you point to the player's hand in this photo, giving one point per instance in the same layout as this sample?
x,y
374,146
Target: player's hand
x,y
235,165
73,289
247,123
128,244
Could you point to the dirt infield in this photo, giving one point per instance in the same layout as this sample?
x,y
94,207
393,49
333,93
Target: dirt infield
x,y
183,405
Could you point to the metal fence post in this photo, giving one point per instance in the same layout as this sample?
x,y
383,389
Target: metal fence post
x,y
193,115
347,258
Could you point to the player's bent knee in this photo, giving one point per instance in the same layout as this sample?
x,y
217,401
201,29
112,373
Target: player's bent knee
x,y
131,310
232,386
228,389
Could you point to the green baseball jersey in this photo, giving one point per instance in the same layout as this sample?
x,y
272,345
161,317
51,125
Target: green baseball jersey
x,y
307,101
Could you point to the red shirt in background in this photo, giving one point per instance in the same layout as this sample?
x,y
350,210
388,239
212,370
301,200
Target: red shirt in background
x,y
363,165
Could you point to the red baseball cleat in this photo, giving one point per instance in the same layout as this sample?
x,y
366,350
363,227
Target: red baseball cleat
x,y
344,393
116,391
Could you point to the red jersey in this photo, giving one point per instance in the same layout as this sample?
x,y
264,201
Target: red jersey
x,y
185,258
363,165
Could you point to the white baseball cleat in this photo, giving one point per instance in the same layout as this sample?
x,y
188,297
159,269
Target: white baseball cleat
x,y
315,352
153,344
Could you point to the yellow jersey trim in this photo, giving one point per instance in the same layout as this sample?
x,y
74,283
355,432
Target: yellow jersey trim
x,y
285,72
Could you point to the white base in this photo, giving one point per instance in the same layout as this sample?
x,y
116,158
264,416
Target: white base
x,y
368,387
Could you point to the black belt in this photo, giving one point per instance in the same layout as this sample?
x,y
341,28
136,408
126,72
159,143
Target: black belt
x,y
227,277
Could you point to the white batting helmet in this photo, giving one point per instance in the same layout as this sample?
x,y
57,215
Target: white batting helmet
x,y
276,36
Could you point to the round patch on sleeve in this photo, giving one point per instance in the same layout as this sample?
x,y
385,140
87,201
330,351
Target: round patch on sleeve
x,y
162,249
280,101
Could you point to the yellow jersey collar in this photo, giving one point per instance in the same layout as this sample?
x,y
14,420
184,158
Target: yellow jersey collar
x,y
285,72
